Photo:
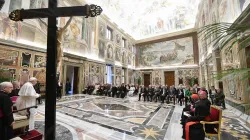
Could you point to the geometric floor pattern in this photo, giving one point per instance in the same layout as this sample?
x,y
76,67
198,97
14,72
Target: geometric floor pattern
x,y
86,117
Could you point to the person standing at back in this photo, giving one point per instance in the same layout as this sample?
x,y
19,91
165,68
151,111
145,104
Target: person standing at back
x,y
67,86
27,98
6,116
59,90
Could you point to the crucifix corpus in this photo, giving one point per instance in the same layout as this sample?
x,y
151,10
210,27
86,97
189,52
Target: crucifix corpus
x,y
54,50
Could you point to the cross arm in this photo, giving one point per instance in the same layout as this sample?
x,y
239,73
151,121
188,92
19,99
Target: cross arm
x,y
87,10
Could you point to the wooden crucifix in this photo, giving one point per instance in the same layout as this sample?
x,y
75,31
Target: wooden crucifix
x,y
52,12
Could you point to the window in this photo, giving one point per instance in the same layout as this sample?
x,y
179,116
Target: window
x,y
109,33
123,42
133,49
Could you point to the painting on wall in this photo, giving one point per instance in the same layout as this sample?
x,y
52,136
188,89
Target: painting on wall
x,y
9,30
101,47
8,58
173,52
73,32
39,61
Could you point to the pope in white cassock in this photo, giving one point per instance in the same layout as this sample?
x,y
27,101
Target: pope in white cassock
x,y
27,98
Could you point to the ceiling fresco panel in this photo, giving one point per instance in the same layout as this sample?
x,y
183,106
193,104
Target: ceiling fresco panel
x,y
149,18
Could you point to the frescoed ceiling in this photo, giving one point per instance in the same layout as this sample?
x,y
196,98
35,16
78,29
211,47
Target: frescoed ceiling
x,y
147,18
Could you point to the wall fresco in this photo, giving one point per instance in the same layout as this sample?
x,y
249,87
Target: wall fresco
x,y
173,52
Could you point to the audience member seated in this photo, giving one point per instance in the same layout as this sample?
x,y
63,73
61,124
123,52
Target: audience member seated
x,y
158,92
192,129
142,92
172,94
189,108
151,92
16,88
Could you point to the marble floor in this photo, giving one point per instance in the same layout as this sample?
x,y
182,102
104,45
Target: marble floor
x,y
86,117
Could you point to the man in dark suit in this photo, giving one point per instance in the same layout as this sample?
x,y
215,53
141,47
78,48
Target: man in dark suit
x,y
114,90
151,92
142,92
157,93
59,90
123,91
180,92
165,94
171,95
212,93
196,88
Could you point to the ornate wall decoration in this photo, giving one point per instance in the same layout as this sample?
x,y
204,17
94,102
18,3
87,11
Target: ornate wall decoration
x,y
118,38
156,77
110,52
131,77
73,32
8,57
39,61
102,49
118,76
24,76
6,73
173,52
41,77
118,71
9,30
129,59
118,54
96,74
123,57
26,58
102,30
182,73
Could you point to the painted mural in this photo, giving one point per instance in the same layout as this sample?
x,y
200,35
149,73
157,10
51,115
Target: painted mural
x,y
173,52
73,32
9,30
102,48
154,17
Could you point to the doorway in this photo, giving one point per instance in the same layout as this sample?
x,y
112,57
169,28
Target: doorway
x,y
72,75
146,80
169,78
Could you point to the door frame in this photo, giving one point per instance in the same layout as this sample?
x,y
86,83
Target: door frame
x,y
80,73
150,73
165,79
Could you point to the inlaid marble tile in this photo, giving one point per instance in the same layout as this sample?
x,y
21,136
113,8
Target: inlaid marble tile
x,y
112,123
159,118
136,120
